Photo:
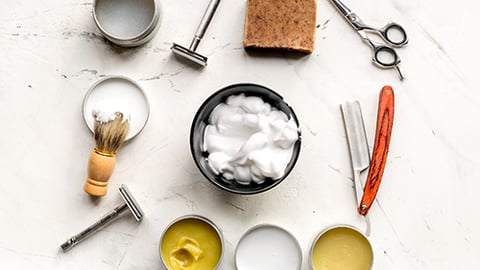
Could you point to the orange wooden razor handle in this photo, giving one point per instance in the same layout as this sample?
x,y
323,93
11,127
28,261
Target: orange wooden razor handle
x,y
100,168
380,149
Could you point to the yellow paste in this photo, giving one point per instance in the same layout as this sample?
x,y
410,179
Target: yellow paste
x,y
342,249
191,244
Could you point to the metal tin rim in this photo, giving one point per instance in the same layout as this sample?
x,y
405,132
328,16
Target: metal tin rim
x,y
267,225
92,88
329,228
133,38
198,217
138,39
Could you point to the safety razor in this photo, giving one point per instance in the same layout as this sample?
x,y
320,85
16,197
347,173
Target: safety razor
x,y
190,53
129,204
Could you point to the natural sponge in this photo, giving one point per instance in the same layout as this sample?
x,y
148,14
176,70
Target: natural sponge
x,y
280,24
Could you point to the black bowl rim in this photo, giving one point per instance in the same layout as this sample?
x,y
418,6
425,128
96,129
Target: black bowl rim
x,y
296,146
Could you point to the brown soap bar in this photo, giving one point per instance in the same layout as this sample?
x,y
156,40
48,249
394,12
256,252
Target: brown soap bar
x,y
280,24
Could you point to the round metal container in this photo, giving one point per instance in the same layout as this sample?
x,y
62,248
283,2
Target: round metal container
x,y
121,94
343,229
127,23
196,218
267,246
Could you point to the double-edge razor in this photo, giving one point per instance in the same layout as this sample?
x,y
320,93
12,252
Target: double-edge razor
x,y
129,204
190,53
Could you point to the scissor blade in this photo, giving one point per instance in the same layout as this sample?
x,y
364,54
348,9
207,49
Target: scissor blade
x,y
341,7
356,135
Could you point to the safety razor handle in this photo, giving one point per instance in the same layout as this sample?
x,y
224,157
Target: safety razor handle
x,y
203,25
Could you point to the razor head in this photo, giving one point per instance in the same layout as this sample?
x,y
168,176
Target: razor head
x,y
131,203
189,55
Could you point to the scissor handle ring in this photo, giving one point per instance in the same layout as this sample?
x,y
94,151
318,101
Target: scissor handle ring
x,y
395,27
378,50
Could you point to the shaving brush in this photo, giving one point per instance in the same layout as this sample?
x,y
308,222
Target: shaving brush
x,y
109,135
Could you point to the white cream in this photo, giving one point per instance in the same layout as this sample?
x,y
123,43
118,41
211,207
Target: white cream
x,y
104,112
103,116
121,94
249,140
268,247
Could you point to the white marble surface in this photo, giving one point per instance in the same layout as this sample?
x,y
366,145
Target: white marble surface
x,y
425,216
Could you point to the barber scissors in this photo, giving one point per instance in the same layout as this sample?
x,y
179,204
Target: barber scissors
x,y
384,56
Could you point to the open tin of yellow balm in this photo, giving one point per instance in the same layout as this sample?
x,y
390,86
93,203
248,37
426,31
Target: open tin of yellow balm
x,y
191,243
341,248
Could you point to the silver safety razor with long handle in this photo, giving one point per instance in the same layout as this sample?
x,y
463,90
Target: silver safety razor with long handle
x,y
190,53
129,203
357,143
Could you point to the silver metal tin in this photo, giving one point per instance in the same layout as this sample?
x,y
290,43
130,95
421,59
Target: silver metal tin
x,y
345,226
197,217
123,94
127,23
270,226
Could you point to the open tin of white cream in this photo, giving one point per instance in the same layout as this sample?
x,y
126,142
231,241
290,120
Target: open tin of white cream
x,y
127,23
268,246
117,94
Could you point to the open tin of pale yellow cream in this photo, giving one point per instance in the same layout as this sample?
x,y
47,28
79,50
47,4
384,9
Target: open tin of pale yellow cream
x,y
341,247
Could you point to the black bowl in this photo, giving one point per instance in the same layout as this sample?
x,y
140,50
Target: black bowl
x,y
200,122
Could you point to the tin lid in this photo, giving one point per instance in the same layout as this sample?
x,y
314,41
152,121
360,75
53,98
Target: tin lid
x,y
127,22
268,246
118,93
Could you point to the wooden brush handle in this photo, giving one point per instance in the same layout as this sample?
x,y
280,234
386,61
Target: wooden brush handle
x,y
100,168
380,148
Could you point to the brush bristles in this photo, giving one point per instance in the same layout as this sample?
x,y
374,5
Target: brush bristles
x,y
109,136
